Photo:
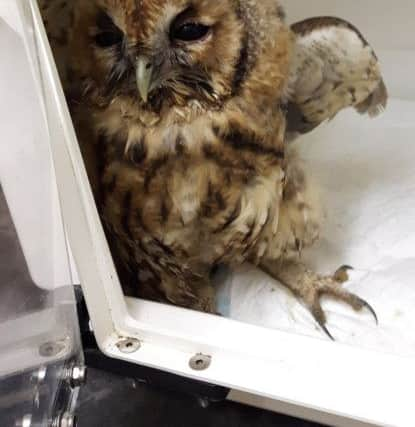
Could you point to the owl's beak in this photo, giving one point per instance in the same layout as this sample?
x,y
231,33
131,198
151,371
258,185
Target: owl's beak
x,y
144,76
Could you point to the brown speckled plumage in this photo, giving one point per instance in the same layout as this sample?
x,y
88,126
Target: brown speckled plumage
x,y
199,173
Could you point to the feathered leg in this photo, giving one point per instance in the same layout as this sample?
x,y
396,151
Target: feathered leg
x,y
299,225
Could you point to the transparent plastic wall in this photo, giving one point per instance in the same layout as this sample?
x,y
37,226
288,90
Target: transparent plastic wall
x,y
39,342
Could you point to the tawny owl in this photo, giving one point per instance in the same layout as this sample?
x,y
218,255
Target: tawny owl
x,y
184,110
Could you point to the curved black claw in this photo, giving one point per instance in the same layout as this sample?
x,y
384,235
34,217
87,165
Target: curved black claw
x,y
341,275
326,331
372,311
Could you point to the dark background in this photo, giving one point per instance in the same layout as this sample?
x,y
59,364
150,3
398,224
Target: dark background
x,y
112,401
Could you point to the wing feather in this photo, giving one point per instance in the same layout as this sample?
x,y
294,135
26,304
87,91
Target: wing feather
x,y
333,68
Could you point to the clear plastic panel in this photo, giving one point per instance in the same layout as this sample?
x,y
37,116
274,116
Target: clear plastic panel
x,y
39,339
26,169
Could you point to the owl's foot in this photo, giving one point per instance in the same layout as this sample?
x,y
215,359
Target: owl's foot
x,y
331,286
310,287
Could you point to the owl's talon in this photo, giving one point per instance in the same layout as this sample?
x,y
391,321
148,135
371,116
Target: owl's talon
x,y
331,289
354,301
319,316
310,287
326,331
371,310
341,275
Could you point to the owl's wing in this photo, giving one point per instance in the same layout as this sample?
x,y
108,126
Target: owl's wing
x,y
333,68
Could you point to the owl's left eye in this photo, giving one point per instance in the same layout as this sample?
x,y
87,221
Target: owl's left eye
x,y
190,32
108,39
108,33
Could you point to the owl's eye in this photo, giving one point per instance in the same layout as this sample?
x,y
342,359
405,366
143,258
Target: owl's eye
x,y
189,32
108,39
108,33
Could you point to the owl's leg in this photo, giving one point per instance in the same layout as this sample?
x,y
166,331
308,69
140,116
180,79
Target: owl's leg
x,y
145,281
196,294
299,225
205,297
309,287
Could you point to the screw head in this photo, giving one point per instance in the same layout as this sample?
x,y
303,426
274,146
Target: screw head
x,y
26,421
64,419
52,348
204,402
200,362
68,420
78,376
129,345
39,375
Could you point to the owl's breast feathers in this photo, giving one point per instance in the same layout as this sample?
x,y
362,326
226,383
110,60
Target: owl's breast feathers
x,y
193,194
187,187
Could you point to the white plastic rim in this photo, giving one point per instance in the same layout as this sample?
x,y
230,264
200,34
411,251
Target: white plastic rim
x,y
322,381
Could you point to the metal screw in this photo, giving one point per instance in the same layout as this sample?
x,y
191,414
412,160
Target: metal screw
x,y
26,421
200,362
39,375
128,345
65,419
76,375
51,348
204,402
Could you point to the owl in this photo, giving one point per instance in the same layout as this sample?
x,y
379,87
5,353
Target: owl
x,y
185,110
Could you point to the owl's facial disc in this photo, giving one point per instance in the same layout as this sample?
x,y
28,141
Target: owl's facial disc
x,y
182,34
162,53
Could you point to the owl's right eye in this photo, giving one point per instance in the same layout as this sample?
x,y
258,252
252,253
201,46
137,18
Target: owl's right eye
x,y
107,39
190,32
186,28
108,33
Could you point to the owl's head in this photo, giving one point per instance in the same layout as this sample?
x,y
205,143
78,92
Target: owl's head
x,y
167,52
